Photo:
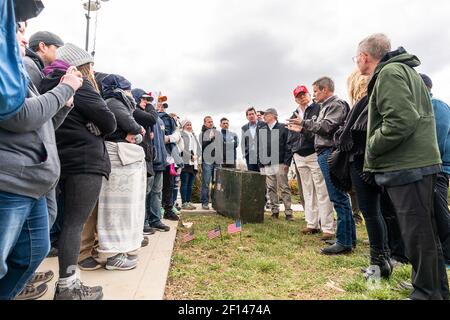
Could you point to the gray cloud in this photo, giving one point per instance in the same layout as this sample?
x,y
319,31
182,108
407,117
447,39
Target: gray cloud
x,y
252,68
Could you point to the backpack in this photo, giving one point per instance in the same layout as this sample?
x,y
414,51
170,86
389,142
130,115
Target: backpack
x,y
13,80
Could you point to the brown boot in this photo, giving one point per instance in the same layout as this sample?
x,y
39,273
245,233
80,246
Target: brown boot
x,y
42,277
310,231
30,292
327,236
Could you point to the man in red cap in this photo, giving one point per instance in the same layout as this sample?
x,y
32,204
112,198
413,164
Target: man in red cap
x,y
317,205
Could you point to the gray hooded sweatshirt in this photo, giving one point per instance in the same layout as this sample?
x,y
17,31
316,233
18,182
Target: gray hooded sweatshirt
x,y
29,162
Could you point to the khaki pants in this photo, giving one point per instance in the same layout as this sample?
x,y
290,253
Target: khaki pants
x,y
300,189
275,183
318,207
88,236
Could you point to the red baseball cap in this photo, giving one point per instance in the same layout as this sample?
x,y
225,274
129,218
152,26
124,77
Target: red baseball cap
x,y
162,99
299,90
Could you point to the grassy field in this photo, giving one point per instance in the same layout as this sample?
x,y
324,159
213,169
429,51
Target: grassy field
x,y
272,261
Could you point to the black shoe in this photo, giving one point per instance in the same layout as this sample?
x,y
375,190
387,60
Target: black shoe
x,y
89,264
289,217
149,230
144,242
159,226
335,249
169,215
275,215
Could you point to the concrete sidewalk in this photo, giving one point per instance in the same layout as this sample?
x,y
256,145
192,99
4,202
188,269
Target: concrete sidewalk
x,y
294,207
146,282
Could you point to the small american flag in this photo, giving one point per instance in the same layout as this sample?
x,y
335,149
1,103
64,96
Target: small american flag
x,y
214,233
234,227
188,237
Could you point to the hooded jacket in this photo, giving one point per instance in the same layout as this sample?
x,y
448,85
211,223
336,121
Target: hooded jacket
x,y
81,151
34,65
401,131
28,155
160,158
147,119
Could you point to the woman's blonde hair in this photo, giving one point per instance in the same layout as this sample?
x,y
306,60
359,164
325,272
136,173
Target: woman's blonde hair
x,y
357,86
85,70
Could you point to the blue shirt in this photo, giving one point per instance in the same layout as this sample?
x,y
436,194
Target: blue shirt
x,y
442,116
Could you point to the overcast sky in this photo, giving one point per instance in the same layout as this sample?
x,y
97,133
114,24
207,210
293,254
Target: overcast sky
x,y
218,57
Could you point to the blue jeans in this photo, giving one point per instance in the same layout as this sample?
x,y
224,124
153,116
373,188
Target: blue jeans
x,y
345,228
24,241
153,198
187,183
207,178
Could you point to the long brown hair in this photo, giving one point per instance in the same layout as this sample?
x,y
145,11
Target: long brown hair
x,y
85,70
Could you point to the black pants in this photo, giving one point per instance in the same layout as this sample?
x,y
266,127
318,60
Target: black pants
x,y
414,206
167,191
80,193
442,213
395,240
369,203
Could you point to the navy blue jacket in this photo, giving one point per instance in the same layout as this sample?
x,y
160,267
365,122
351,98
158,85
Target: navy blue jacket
x,y
160,152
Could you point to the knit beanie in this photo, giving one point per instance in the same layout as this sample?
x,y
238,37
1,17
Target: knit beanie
x,y
73,55
184,122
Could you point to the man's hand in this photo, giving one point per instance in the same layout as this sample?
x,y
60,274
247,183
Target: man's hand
x,y
69,102
143,131
294,125
285,168
73,78
166,139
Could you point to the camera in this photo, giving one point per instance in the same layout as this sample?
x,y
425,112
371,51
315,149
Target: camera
x,y
138,138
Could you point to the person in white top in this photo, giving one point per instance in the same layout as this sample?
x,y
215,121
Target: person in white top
x,y
190,154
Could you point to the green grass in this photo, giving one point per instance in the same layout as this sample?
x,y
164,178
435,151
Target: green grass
x,y
273,261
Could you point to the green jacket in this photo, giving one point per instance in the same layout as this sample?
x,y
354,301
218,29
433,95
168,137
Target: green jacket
x,y
401,132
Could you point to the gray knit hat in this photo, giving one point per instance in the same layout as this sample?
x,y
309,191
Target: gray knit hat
x,y
73,55
46,37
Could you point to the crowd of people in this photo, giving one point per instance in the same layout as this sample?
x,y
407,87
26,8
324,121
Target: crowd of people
x,y
90,167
